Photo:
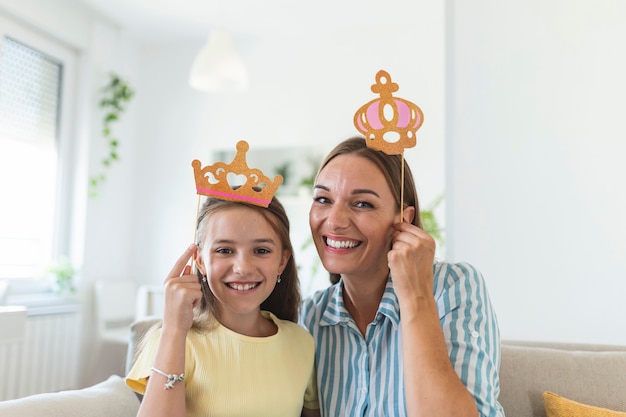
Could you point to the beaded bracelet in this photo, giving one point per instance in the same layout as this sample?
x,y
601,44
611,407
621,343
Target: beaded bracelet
x,y
171,378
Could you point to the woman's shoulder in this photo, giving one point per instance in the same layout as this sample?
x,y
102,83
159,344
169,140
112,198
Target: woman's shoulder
x,y
454,275
456,271
321,297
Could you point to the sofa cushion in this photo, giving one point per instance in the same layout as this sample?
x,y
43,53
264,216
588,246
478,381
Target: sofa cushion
x,y
557,406
526,372
138,329
110,398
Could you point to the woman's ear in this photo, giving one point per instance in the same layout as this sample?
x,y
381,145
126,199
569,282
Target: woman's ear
x,y
408,214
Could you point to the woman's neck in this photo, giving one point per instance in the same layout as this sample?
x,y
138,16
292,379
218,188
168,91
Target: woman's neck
x,y
361,298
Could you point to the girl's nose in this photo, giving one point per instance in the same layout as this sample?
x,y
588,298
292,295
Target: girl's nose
x,y
242,265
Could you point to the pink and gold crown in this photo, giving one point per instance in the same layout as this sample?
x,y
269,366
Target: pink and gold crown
x,y
389,123
235,181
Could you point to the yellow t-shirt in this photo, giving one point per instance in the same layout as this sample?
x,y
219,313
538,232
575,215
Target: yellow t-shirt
x,y
229,374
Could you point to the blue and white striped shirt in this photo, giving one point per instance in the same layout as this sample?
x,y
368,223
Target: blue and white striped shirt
x,y
363,376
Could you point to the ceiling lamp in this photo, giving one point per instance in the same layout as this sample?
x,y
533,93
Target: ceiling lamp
x,y
218,66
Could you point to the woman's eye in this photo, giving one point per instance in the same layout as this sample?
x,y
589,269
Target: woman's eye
x,y
363,204
321,200
224,251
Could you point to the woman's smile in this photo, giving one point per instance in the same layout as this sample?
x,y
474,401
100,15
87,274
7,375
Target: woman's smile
x,y
351,216
339,243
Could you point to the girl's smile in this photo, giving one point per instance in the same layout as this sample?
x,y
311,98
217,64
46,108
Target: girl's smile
x,y
242,257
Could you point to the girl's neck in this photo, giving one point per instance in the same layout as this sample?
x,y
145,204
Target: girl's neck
x,y
252,324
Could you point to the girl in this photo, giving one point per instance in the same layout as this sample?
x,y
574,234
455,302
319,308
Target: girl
x,y
228,344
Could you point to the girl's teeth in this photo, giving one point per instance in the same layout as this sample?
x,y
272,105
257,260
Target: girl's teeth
x,y
242,287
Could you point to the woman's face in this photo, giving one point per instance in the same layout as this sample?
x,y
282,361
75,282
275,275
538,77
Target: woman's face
x,y
351,217
242,256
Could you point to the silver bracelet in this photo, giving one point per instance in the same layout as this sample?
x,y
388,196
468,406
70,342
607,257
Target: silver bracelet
x,y
171,378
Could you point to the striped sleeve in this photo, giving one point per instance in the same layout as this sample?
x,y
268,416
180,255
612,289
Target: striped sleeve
x,y
471,331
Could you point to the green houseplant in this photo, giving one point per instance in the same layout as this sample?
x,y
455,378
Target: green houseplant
x,y
429,220
116,95
62,277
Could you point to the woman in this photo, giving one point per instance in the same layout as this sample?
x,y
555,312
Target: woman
x,y
398,334
229,344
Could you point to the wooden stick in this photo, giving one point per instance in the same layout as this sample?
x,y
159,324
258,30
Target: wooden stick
x,y
402,190
195,230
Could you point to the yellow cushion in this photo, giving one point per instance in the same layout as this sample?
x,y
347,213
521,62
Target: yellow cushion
x,y
557,406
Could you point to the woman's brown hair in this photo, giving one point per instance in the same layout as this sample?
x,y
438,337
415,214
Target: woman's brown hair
x,y
391,168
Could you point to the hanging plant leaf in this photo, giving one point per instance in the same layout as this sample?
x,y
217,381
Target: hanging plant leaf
x,y
117,93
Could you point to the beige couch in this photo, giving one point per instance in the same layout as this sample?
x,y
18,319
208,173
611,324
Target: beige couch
x,y
590,374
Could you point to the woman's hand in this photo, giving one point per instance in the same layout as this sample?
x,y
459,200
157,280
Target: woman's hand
x,y
431,384
410,261
182,293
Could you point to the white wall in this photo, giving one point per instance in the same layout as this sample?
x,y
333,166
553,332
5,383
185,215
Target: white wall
x,y
535,162
304,91
530,109
101,238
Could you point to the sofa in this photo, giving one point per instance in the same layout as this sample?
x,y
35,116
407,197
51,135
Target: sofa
x,y
585,373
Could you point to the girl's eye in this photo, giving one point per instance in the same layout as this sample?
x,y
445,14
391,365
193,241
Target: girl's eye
x,y
224,251
262,251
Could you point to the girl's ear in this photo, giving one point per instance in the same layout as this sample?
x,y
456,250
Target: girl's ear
x,y
408,214
200,263
284,260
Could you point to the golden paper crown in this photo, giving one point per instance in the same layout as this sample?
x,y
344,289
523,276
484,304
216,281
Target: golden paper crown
x,y
388,123
235,181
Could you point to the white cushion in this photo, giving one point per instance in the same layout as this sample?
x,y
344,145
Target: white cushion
x,y
110,398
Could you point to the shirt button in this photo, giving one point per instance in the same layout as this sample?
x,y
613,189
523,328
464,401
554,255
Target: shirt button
x,y
475,334
363,390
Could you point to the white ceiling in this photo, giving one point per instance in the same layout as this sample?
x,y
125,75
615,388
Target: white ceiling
x,y
157,20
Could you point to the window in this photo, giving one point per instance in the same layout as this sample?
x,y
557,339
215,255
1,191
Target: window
x,y
36,76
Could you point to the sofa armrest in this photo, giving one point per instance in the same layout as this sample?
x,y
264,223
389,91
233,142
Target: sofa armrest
x,y
110,398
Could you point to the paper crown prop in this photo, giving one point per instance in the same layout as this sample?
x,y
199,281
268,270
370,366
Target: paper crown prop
x,y
389,123
235,181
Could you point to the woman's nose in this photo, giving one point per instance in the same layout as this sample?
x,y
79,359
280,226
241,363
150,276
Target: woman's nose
x,y
338,217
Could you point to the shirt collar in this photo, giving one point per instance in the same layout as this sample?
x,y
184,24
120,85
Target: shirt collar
x,y
335,311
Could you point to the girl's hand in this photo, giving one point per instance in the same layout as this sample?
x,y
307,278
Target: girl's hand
x,y
182,293
411,261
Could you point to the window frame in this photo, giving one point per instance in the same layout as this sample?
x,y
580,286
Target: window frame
x,y
66,143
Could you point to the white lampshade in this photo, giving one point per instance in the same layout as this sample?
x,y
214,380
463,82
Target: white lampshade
x,y
218,66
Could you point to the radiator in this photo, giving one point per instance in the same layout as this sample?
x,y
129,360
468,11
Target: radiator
x,y
46,360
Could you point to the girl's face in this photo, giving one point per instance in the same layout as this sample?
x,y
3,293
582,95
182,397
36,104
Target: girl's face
x,y
242,257
351,217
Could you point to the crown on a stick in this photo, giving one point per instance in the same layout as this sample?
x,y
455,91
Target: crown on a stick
x,y
235,181
389,123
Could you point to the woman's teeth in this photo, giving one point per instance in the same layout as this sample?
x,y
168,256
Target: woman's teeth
x,y
341,244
